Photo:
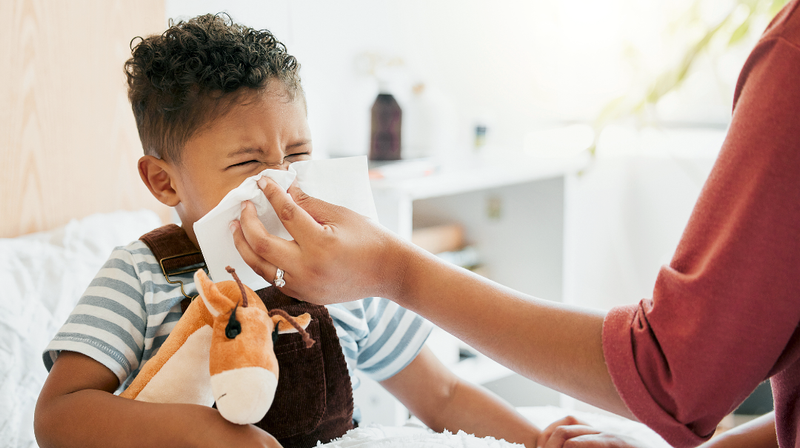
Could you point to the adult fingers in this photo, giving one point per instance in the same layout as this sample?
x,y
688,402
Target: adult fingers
x,y
258,248
255,261
593,439
547,432
296,220
322,212
571,437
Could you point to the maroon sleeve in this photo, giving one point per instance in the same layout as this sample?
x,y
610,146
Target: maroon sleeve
x,y
726,307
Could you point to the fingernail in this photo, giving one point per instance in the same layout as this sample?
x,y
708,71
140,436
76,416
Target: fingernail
x,y
232,226
262,182
244,205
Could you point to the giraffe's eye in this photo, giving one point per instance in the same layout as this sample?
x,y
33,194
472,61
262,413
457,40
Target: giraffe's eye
x,y
275,335
234,328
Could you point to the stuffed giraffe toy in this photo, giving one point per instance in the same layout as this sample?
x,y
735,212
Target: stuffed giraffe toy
x,y
221,350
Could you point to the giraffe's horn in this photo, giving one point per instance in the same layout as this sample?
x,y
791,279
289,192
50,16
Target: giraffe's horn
x,y
238,282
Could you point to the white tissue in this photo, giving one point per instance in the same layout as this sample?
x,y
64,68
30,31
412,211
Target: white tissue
x,y
343,182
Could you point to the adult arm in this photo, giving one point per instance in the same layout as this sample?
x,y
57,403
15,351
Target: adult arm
x,y
339,255
77,408
443,401
757,433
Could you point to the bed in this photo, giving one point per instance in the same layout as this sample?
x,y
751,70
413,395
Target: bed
x,y
44,273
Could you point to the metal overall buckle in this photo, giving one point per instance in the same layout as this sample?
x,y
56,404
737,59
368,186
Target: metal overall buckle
x,y
180,270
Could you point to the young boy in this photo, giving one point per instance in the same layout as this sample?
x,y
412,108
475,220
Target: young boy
x,y
215,103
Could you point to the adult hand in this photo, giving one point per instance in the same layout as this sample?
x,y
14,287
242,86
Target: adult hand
x,y
569,432
337,255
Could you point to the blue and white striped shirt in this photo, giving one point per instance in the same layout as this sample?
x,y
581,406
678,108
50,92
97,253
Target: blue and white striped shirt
x,y
129,309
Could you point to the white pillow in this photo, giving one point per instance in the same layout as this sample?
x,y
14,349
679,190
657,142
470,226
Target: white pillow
x,y
42,276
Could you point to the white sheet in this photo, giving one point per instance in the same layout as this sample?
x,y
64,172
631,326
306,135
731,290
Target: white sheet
x,y
377,436
413,434
42,276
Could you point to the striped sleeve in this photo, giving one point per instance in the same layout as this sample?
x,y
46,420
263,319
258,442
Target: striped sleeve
x,y
125,315
378,336
110,320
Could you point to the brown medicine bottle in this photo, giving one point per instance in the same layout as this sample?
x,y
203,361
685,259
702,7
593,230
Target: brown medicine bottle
x,y
385,130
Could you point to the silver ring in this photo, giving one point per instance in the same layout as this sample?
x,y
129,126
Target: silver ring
x,y
279,282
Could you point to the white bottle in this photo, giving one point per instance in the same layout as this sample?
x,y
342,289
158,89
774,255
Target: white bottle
x,y
428,123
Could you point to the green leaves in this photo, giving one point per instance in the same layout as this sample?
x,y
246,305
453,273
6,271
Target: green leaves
x,y
730,31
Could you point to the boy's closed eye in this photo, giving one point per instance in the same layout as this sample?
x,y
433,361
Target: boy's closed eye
x,y
290,158
294,157
244,163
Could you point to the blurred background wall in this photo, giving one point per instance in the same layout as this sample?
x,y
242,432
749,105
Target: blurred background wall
x,y
515,65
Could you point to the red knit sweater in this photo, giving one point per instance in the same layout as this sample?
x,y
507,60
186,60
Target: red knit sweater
x,y
725,312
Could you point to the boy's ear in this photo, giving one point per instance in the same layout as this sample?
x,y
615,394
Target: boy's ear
x,y
155,173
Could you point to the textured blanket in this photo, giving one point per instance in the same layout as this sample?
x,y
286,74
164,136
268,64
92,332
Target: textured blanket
x,y
416,435
377,436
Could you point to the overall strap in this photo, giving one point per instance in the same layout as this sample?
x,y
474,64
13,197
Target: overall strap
x,y
176,254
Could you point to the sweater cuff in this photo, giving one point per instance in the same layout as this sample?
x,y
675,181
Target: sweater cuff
x,y
618,344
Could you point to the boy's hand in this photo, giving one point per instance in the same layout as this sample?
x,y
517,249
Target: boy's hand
x,y
569,432
337,255
77,407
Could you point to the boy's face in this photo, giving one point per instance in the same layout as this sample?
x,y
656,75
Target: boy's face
x,y
263,130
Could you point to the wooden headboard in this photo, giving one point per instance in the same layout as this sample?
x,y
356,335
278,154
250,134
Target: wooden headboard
x,y
68,141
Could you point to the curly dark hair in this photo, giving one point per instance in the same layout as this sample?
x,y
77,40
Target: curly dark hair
x,y
181,79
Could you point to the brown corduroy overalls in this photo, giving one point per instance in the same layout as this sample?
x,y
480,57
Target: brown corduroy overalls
x,y
314,398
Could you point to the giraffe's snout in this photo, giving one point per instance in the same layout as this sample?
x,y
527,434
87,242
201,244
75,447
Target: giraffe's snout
x,y
244,395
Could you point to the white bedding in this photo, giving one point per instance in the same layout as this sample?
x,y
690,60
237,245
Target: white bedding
x,y
377,436
44,274
414,434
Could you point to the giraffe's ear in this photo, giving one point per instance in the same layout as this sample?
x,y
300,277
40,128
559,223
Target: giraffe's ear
x,y
215,301
285,327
